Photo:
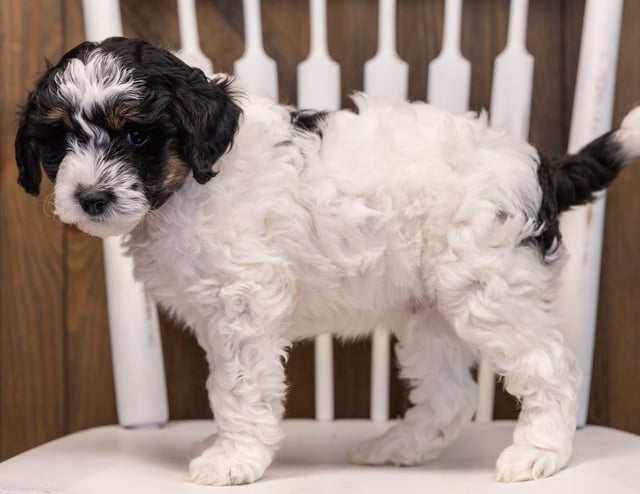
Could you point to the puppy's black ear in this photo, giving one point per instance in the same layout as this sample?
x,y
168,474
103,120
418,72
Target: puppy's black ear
x,y
27,152
207,117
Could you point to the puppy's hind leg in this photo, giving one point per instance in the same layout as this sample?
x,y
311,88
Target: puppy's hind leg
x,y
435,362
507,316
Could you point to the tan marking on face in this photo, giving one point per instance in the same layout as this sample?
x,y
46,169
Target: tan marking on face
x,y
177,172
57,114
118,117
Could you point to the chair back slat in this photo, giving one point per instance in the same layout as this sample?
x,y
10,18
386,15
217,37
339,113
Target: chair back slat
x,y
190,52
449,78
255,70
101,19
583,227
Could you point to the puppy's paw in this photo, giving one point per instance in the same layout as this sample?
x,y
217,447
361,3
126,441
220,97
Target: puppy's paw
x,y
396,448
225,464
526,462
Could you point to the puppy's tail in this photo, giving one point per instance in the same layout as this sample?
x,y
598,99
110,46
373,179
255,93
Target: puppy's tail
x,y
573,179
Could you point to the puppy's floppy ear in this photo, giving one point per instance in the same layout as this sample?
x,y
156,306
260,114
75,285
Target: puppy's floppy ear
x,y
207,119
27,152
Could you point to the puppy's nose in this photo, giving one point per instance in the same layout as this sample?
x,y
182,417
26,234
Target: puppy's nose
x,y
94,202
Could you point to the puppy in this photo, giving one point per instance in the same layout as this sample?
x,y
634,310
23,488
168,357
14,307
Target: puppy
x,y
259,225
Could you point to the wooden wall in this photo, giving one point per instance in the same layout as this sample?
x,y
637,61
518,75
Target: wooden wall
x,y
55,370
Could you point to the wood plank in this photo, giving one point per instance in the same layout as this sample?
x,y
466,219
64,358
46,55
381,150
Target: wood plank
x,y
419,40
484,35
31,274
552,95
300,380
186,372
351,50
90,396
285,25
221,32
615,400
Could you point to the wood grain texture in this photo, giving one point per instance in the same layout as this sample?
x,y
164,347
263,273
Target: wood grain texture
x,y
615,388
55,368
31,275
285,26
419,40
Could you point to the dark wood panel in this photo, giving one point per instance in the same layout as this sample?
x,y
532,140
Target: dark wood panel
x,y
615,399
89,376
300,379
286,40
419,39
186,372
31,274
347,19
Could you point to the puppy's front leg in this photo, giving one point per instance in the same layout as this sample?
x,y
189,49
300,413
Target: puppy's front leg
x,y
246,389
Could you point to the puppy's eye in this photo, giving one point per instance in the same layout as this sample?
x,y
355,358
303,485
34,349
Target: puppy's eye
x,y
137,138
53,147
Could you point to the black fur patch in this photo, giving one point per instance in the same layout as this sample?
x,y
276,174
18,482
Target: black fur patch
x,y
572,181
39,138
308,120
549,238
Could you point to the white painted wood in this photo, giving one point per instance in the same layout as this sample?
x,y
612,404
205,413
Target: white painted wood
x,y
101,19
380,368
386,75
312,460
136,349
486,392
318,74
190,52
319,88
513,77
323,380
582,227
255,70
450,73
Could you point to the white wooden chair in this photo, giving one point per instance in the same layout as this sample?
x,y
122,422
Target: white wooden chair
x,y
149,456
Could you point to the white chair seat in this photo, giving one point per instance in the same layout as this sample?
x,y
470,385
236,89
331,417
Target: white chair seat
x,y
110,459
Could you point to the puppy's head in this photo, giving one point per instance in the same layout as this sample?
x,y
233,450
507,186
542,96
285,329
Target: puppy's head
x,y
118,127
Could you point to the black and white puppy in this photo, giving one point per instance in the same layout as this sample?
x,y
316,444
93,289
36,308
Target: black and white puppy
x,y
259,225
